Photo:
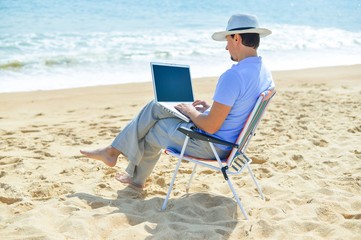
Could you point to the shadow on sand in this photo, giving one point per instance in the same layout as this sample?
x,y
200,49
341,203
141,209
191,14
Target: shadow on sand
x,y
191,216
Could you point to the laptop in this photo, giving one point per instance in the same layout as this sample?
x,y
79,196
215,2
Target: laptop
x,y
172,85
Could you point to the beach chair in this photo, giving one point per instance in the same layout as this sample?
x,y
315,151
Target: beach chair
x,y
236,162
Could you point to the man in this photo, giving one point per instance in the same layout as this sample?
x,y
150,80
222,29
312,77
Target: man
x,y
236,93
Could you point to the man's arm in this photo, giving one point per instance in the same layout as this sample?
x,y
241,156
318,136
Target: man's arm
x,y
210,123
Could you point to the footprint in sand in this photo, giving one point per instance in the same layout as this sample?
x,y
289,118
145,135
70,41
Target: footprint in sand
x,y
265,173
5,133
161,182
352,216
23,207
9,200
297,158
8,194
40,191
108,116
320,143
86,142
29,130
9,161
125,119
327,214
43,154
185,171
210,172
355,129
258,160
95,205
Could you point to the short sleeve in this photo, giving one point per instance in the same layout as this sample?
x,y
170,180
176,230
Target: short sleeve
x,y
228,88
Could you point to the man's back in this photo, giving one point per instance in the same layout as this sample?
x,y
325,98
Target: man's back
x,y
239,87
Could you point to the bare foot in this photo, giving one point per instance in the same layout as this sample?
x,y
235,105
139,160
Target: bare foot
x,y
108,155
125,178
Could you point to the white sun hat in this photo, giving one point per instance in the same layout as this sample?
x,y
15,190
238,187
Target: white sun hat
x,y
241,23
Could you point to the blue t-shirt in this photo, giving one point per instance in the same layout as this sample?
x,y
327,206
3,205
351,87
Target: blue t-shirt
x,y
239,87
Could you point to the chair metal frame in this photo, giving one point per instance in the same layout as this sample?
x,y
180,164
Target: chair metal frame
x,y
237,160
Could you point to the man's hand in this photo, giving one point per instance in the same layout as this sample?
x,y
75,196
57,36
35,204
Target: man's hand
x,y
200,105
186,109
210,122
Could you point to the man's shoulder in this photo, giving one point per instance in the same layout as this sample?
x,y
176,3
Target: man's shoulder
x,y
230,73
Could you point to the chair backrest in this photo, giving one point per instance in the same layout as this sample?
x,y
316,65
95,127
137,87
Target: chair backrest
x,y
251,124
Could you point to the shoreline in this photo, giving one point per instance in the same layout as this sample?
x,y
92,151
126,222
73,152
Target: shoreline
x,y
194,79
306,157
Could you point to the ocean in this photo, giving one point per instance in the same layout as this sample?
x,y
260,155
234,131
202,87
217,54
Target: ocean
x,y
58,44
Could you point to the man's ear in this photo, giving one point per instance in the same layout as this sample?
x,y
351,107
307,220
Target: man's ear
x,y
237,38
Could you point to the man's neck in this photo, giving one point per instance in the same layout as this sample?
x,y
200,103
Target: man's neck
x,y
248,54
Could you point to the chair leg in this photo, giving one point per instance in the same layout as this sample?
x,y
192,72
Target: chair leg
x,y
175,174
237,199
171,185
255,182
191,177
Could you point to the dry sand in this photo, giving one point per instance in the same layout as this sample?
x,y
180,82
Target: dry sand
x,y
307,157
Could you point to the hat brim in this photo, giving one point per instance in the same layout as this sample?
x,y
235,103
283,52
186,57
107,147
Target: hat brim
x,y
221,36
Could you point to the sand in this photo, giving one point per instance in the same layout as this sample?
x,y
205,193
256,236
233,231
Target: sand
x,y
307,157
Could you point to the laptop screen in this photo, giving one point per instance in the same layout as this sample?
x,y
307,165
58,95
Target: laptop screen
x,y
172,83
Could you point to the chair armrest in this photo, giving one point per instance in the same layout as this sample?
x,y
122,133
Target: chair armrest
x,y
205,137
